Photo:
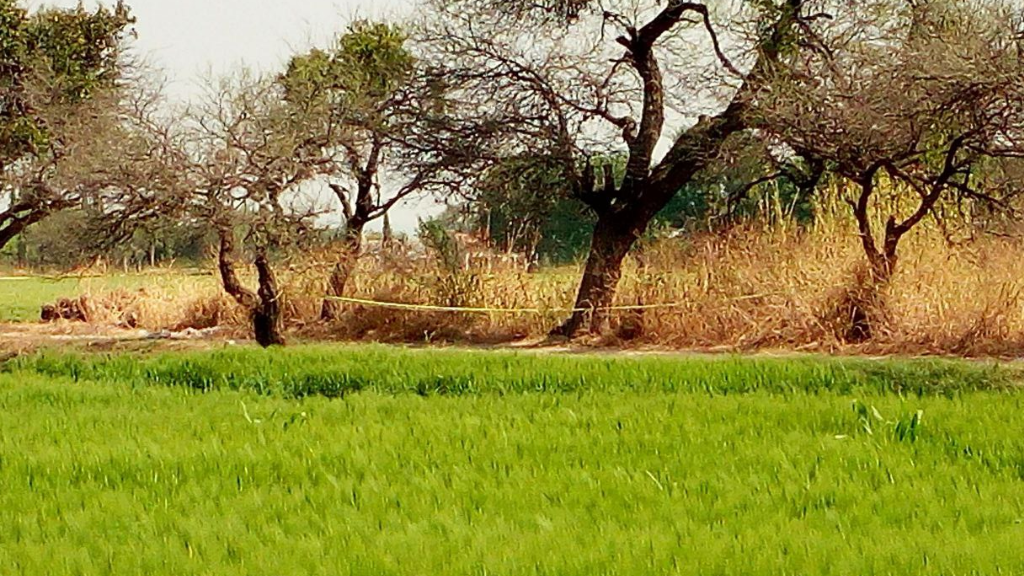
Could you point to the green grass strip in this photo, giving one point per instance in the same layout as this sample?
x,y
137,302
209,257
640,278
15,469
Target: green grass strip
x,y
337,370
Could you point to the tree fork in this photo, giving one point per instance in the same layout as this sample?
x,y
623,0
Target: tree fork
x,y
624,214
264,306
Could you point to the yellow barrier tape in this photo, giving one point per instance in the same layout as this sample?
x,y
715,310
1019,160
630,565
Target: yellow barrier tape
x,y
469,309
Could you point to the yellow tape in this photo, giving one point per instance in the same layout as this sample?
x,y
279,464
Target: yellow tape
x,y
469,309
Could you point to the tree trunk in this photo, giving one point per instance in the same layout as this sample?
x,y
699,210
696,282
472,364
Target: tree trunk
x,y
612,240
266,318
228,275
264,307
885,266
865,304
350,250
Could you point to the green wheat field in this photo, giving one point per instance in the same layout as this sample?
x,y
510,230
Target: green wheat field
x,y
368,460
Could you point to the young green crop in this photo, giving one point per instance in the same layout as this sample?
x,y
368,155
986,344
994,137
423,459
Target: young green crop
x,y
519,464
332,370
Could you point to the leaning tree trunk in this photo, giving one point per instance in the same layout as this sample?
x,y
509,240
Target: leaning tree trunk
x,y
612,240
342,271
11,225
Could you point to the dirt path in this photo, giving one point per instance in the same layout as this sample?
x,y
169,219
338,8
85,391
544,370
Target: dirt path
x,y
24,338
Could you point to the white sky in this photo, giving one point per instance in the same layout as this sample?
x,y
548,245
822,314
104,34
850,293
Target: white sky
x,y
191,39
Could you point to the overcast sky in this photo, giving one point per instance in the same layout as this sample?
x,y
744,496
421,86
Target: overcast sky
x,y
190,39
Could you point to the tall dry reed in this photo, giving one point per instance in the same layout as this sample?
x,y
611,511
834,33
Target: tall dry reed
x,y
766,284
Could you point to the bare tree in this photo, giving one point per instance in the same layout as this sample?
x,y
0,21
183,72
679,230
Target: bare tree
x,y
580,79
246,162
917,102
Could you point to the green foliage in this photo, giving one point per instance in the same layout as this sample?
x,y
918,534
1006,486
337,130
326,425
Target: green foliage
x,y
79,48
367,65
619,474
565,232
53,57
67,239
526,202
375,58
17,132
524,205
440,244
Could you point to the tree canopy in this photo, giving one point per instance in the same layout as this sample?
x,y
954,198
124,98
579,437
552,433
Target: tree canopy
x,y
60,72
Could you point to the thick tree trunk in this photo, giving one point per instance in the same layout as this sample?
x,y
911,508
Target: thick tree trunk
x,y
264,307
266,318
612,240
342,271
882,266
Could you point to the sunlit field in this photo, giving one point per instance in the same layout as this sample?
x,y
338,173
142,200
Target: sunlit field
x,y
369,460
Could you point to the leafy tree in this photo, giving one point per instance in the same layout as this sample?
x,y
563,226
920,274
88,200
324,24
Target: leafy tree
x,y
371,103
60,73
565,232
516,200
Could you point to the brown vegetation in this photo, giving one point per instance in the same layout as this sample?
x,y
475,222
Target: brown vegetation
x,y
756,287
753,287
